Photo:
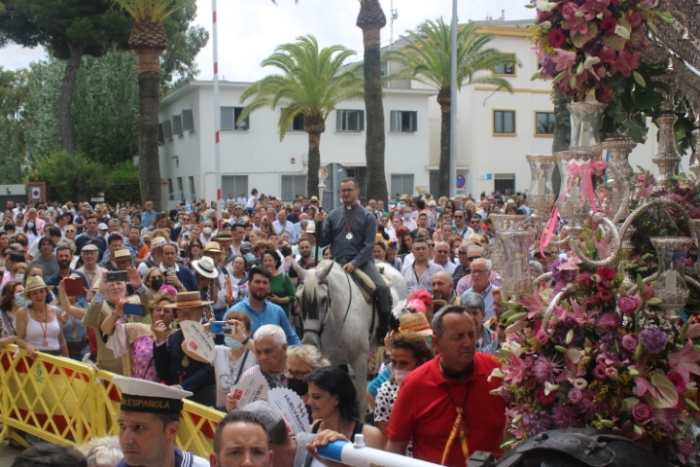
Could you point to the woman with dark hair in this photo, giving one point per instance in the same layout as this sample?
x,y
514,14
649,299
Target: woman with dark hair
x,y
281,287
31,232
239,277
449,207
194,251
409,351
405,243
333,401
11,301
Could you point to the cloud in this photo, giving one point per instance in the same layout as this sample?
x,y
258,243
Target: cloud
x,y
249,30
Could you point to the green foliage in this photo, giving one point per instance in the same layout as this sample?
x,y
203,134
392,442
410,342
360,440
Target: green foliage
x,y
150,11
13,92
311,83
427,56
70,176
121,183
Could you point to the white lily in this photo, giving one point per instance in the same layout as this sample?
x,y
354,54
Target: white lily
x,y
545,5
496,373
590,61
622,32
550,388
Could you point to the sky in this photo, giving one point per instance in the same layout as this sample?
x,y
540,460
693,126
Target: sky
x,y
249,30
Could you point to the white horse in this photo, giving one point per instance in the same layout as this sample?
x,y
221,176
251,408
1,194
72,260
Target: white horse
x,y
338,320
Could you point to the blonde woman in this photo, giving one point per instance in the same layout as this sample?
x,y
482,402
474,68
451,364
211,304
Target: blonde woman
x,y
301,361
38,324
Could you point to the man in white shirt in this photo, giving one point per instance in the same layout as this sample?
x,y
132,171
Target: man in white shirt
x,y
442,257
281,225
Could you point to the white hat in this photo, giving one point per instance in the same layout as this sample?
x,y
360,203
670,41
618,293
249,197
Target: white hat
x,y
103,227
206,267
311,227
140,395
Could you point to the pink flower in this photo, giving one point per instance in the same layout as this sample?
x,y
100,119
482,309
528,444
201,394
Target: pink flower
x,y
564,59
575,395
599,372
635,19
648,292
611,372
606,275
556,38
625,63
605,294
641,412
607,55
544,398
683,361
533,304
576,24
541,337
677,381
628,305
608,25
629,342
593,7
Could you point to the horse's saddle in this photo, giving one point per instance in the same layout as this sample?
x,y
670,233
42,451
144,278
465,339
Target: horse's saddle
x,y
367,287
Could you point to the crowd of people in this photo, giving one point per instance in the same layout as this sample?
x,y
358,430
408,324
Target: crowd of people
x,y
110,285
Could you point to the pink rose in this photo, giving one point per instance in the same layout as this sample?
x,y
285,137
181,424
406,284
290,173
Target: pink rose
x,y
606,274
629,342
575,395
648,292
593,300
641,412
635,19
541,337
599,372
604,294
629,304
607,55
611,372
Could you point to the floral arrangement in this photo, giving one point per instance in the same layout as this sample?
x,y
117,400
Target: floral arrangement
x,y
601,360
581,44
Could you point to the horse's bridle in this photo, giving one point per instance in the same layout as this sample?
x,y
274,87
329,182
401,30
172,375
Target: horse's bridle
x,y
322,325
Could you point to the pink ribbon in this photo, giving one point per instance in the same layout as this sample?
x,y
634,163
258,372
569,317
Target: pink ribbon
x,y
585,171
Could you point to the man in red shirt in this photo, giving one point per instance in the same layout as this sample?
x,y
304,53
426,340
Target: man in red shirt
x,y
444,406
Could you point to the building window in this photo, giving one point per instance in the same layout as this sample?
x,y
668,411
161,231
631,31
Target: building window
x,y
505,183
350,120
177,125
229,117
234,184
293,185
507,69
167,130
161,138
170,188
188,120
504,122
402,184
298,122
192,187
544,123
404,121
180,188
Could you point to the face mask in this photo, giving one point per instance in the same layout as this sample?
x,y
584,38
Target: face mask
x,y
157,284
407,215
30,225
400,376
232,343
250,257
20,300
207,230
19,277
299,386
402,206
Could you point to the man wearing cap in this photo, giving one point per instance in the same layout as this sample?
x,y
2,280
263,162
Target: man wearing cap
x,y
115,243
172,364
90,269
155,255
102,307
350,230
91,235
149,419
224,282
225,239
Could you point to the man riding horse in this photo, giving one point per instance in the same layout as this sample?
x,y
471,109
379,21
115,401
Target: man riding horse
x,y
351,231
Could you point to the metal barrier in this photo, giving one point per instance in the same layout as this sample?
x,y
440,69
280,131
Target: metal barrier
x,y
67,402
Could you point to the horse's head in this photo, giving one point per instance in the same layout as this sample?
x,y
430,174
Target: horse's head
x,y
314,300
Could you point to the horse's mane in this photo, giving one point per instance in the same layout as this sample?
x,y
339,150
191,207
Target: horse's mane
x,y
309,306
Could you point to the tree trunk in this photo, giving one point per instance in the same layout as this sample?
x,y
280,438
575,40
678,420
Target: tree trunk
x,y
444,98
64,118
371,20
149,160
314,164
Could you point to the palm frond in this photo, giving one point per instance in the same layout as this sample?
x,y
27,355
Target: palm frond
x,y
151,11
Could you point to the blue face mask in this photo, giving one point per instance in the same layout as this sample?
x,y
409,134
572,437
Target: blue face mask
x,y
250,257
30,225
20,300
407,215
232,343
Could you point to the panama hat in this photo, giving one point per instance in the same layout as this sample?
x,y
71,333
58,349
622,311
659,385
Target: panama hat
x,y
122,254
264,244
415,322
35,283
188,300
213,247
206,267
158,242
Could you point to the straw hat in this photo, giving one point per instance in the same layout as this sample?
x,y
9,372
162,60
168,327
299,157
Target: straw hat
x,y
213,247
206,267
264,244
35,283
188,300
415,322
122,254
158,242
224,235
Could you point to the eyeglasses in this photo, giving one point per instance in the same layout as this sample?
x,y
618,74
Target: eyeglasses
x,y
458,217
479,271
472,258
185,218
460,252
298,374
347,190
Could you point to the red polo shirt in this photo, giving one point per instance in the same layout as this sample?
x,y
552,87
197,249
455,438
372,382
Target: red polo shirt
x,y
424,413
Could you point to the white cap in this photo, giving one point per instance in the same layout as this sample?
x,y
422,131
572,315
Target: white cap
x,y
103,227
140,395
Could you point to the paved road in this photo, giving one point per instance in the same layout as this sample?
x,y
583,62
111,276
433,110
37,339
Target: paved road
x,y
7,455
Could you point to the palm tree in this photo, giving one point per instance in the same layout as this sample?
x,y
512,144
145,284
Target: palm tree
x,y
371,20
148,40
311,84
426,58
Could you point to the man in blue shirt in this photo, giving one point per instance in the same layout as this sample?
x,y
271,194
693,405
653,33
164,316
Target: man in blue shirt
x,y
148,215
259,310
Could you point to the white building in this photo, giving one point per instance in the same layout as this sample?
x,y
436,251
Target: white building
x,y
496,130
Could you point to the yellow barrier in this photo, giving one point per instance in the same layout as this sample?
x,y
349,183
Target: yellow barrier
x,y
67,402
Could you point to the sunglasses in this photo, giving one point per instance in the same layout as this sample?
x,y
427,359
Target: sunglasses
x,y
472,258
